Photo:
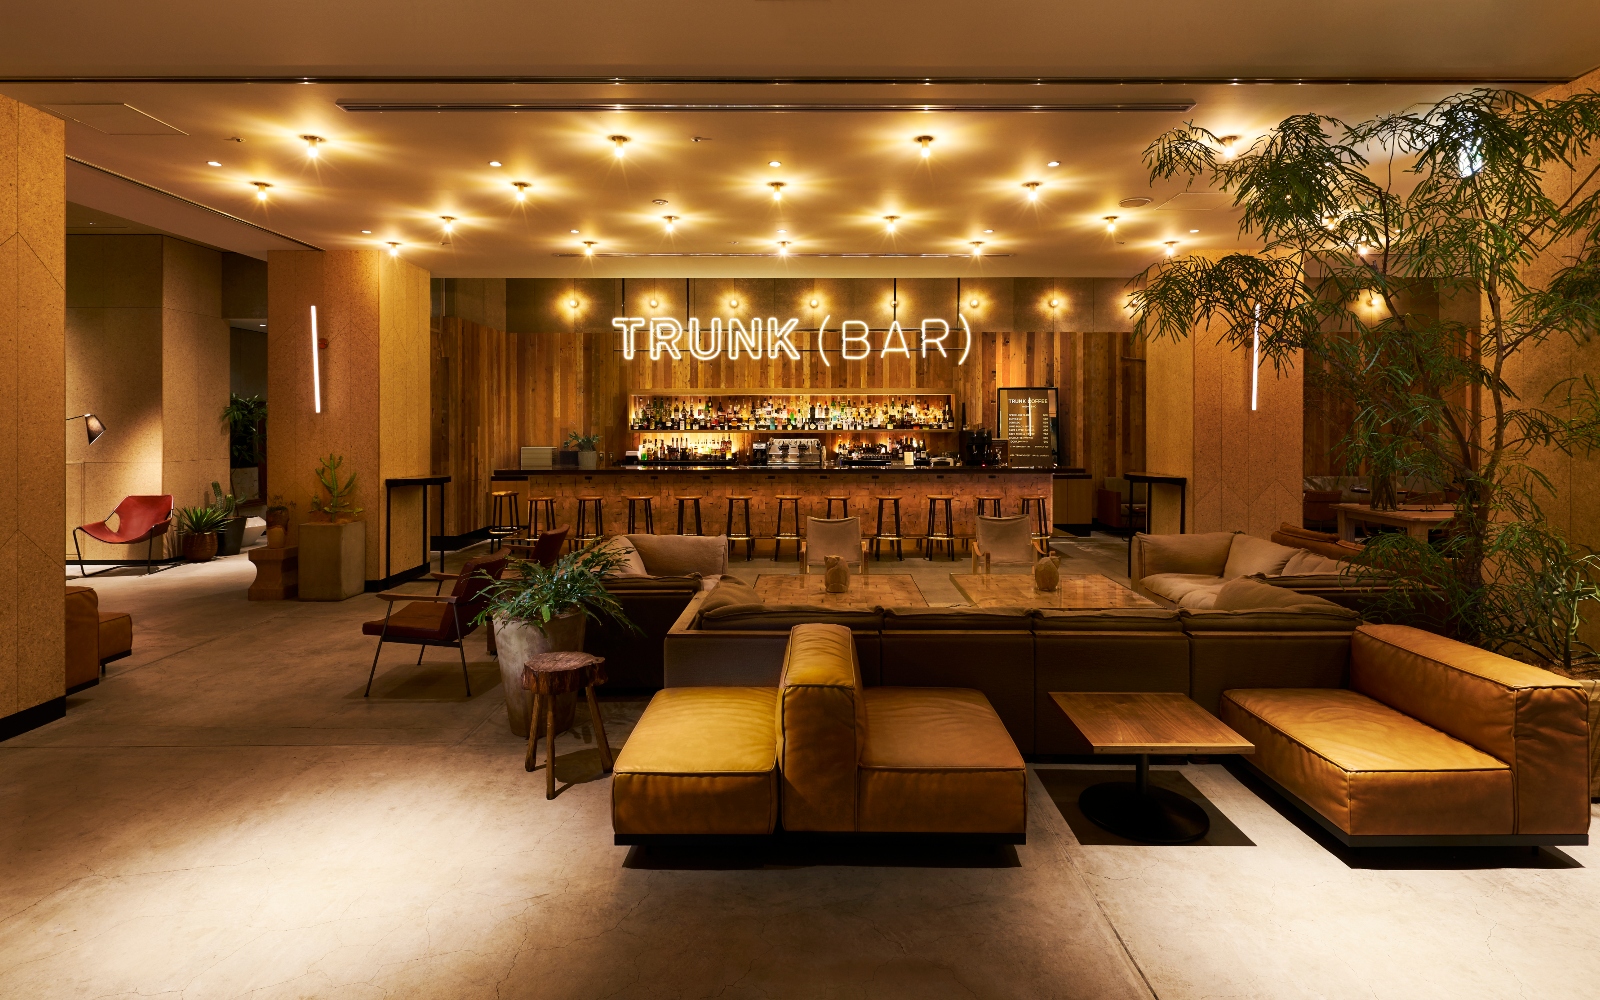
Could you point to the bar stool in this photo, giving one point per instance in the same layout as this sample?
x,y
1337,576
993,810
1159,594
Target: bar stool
x,y
584,534
935,536
1041,520
746,537
649,515
504,504
844,505
880,536
779,536
536,506
695,499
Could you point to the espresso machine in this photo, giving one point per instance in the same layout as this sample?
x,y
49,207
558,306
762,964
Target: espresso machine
x,y
795,452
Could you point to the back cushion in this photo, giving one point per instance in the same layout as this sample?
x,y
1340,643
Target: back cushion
x,y
1307,563
783,617
680,555
960,619
1205,553
822,725
632,564
1249,554
729,592
1245,594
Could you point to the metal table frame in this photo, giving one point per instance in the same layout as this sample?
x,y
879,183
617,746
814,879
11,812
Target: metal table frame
x,y
1150,479
427,533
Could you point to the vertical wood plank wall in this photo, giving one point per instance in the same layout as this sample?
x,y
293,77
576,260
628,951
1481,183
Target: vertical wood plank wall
x,y
495,390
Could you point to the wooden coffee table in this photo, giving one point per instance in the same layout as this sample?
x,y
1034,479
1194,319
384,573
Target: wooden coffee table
x,y
1079,592
1414,521
1144,723
870,590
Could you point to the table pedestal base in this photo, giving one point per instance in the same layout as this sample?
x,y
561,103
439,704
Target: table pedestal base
x,y
1134,810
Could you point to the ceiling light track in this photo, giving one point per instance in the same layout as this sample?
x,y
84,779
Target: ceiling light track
x,y
775,255
831,107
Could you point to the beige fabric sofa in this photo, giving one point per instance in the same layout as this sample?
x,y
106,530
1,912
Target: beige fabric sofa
x,y
1188,571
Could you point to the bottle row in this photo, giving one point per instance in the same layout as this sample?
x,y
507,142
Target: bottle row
x,y
794,413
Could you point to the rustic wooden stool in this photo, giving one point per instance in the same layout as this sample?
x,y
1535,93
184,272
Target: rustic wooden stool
x,y
550,674
746,535
1041,519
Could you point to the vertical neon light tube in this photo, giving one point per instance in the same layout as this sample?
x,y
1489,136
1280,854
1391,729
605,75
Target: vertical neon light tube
x,y
1255,360
316,365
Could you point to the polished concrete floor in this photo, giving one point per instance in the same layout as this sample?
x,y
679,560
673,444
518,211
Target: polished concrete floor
x,y
226,816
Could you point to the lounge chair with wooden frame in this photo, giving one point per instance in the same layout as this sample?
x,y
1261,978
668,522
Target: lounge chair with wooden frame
x,y
437,619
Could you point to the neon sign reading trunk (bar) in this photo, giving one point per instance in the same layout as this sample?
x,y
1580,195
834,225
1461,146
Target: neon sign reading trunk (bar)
x,y
766,338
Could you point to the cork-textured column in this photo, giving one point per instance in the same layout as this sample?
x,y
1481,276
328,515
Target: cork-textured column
x,y
1244,465
372,311
148,352
32,436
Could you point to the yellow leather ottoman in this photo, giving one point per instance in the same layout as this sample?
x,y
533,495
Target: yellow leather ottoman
x,y
939,760
701,762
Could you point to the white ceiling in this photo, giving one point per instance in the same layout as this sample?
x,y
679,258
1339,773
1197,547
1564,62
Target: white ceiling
x,y
396,173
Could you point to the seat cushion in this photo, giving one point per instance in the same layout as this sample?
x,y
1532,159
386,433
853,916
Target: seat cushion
x,y
415,620
116,634
1369,769
821,724
1246,594
1183,590
938,760
702,760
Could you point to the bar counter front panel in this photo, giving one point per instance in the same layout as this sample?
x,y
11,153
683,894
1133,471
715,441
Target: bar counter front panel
x,y
764,484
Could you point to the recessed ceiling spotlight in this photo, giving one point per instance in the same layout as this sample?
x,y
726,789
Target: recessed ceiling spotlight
x,y
522,189
261,190
654,303
782,231
1111,223
619,141
733,303
1033,190
671,219
573,231
496,163
988,230
312,141
972,303
449,228
777,189
213,163
1138,201
783,248
699,138
927,142
1053,163
1229,146
658,201
774,163
1194,230
889,221
1054,303
366,232
814,303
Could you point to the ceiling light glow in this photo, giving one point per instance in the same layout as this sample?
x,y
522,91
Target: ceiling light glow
x,y
1033,190
1053,163
889,221
1230,145
496,163
261,190
213,163
1111,223
312,141
777,189
671,219
774,163
522,189
619,141
926,141
977,248
394,249
1172,247
588,246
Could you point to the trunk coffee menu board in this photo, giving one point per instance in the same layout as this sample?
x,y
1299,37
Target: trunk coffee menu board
x,y
1023,420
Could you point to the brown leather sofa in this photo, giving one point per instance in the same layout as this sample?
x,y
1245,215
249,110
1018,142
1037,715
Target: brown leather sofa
x,y
676,568
1433,742
94,637
823,752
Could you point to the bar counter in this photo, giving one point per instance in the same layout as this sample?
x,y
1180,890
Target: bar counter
x,y
861,486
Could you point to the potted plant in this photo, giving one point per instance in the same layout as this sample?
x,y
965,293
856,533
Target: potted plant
x,y
536,609
199,527
231,536
588,457
245,417
278,514
333,546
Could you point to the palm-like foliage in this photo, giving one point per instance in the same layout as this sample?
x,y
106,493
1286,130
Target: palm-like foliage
x,y
575,582
1360,223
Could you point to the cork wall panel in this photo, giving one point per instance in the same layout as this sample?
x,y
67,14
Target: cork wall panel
x,y
195,354
403,389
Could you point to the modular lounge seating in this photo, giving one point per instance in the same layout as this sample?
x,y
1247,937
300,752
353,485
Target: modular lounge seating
x,y
818,753
94,637
1187,571
664,573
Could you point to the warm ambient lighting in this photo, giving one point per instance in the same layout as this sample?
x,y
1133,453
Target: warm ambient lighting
x,y
783,248
671,219
1033,190
522,189
366,232
496,163
1054,303
312,141
573,231
814,303
91,424
1229,146
394,249
449,229
261,190
654,303
926,141
733,303
588,246
973,303
774,163
777,189
213,163
1111,223
1053,163
977,248
572,303
1172,247
620,140
316,365
889,221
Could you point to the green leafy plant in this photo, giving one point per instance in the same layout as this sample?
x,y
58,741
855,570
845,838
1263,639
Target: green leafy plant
x,y
226,502
537,594
583,442
338,504
201,520
244,415
1368,234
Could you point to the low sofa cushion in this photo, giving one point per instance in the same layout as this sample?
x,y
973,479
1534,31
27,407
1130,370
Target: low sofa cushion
x,y
702,760
1245,594
1111,620
1202,554
821,725
957,619
730,592
1307,563
783,617
680,555
1372,771
628,584
1249,555
632,563
116,634
1183,590
938,760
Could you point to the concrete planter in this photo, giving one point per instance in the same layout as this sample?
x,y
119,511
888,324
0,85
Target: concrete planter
x,y
231,538
588,459
519,642
333,560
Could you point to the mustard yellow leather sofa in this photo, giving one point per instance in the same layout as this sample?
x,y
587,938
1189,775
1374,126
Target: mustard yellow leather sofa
x,y
1433,743
94,637
838,757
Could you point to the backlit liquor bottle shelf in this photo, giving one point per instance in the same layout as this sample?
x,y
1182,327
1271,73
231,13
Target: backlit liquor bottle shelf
x,y
789,412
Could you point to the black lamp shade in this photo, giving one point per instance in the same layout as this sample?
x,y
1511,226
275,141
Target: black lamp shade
x,y
91,424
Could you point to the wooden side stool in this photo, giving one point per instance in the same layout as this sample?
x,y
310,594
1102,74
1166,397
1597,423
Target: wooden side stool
x,y
550,674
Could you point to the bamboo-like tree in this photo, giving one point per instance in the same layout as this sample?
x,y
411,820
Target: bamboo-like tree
x,y
1358,223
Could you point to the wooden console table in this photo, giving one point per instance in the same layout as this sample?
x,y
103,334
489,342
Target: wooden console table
x,y
1151,480
1415,521
427,534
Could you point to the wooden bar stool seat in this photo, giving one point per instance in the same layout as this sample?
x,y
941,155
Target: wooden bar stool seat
x,y
935,536
587,530
547,675
844,505
745,536
505,516
690,498
779,536
649,515
881,535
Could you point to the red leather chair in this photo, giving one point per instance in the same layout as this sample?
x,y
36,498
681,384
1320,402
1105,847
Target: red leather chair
x,y
437,619
139,519
546,549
